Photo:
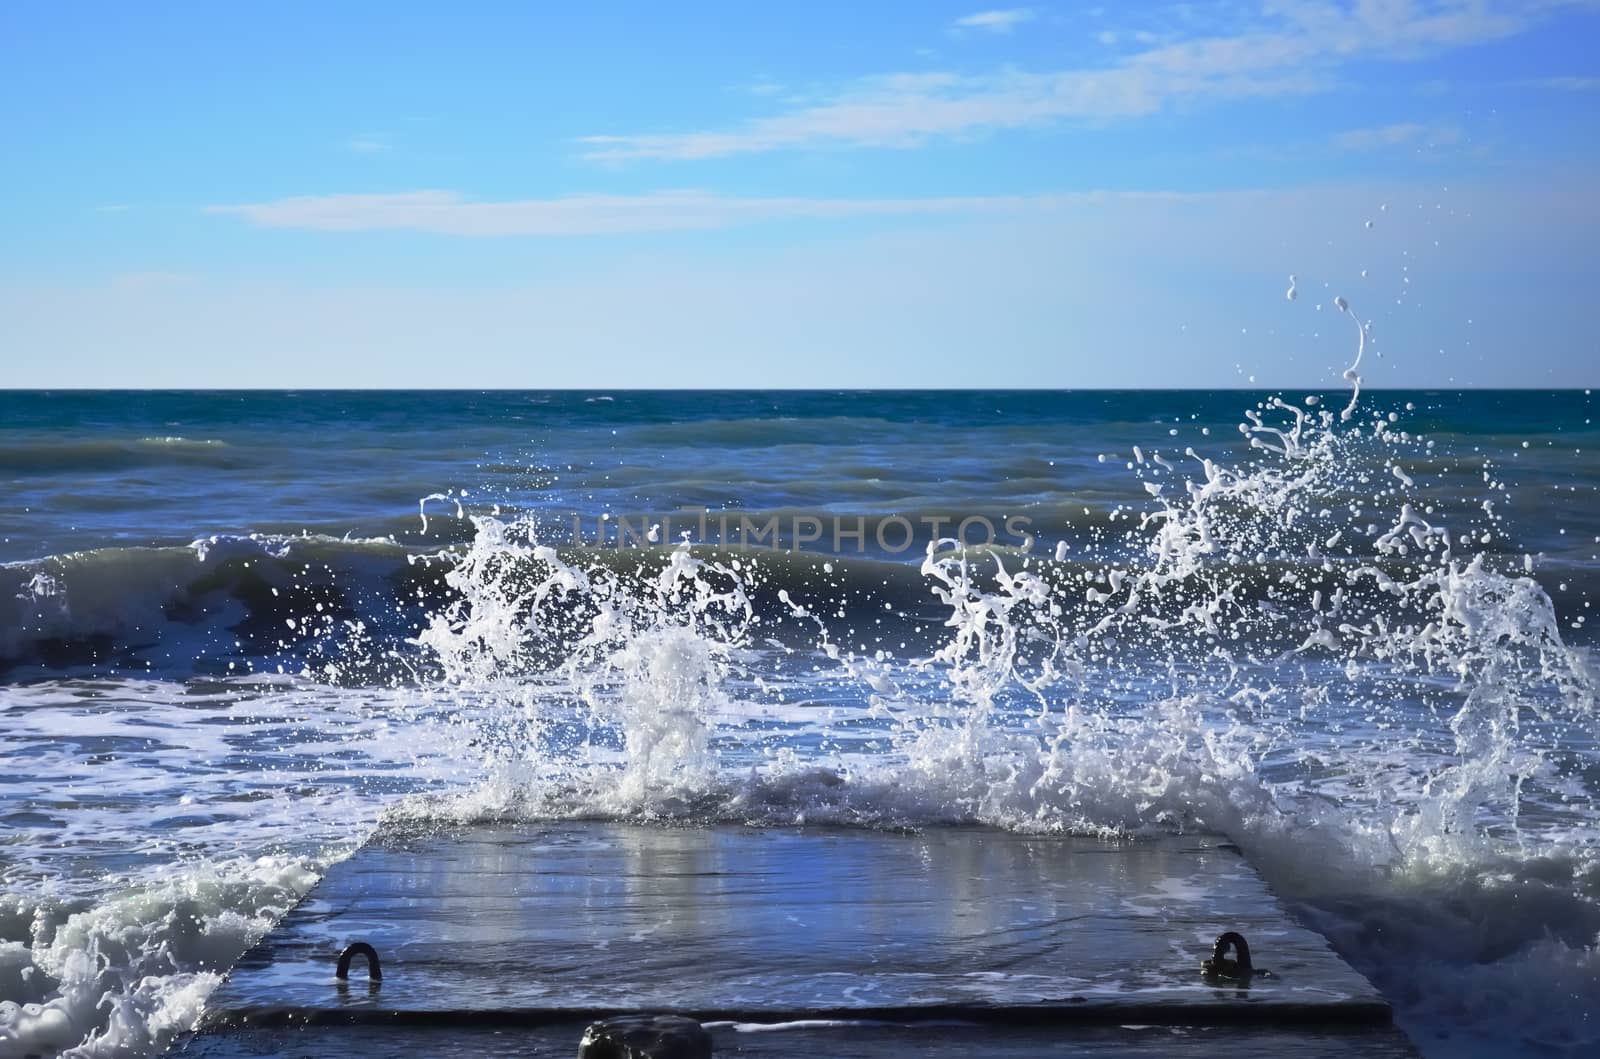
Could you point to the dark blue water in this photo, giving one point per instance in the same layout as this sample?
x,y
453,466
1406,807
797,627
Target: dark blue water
x,y
97,469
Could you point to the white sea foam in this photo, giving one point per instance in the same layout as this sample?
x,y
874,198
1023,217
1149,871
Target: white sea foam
x,y
124,975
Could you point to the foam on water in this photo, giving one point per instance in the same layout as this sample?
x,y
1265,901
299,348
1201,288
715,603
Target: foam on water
x,y
123,976
1292,647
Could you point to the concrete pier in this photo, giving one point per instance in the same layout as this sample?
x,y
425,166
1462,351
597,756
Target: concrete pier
x,y
959,941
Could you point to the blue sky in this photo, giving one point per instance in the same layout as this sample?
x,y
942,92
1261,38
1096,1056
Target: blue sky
x,y
887,194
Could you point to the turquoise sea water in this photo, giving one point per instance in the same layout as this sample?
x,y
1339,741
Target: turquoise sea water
x,y
238,629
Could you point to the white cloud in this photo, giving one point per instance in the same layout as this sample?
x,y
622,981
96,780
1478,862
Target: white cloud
x,y
447,213
996,21
1296,46
1401,134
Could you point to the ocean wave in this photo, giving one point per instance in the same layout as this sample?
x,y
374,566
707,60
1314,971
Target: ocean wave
x,y
218,598
51,455
229,604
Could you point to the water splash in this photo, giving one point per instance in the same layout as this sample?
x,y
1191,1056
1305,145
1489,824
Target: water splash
x,y
1235,580
1351,374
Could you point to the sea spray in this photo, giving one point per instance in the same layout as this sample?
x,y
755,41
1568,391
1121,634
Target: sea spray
x,y
576,652
1220,583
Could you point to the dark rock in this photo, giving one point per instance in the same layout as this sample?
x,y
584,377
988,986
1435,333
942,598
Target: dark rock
x,y
645,1037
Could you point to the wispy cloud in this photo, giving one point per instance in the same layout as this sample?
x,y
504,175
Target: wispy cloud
x,y
1298,46
153,280
996,21
448,213
907,110
112,207
1566,84
896,307
368,143
1401,134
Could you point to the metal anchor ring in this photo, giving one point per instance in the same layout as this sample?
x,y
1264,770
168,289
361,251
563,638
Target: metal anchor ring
x,y
1238,969
359,948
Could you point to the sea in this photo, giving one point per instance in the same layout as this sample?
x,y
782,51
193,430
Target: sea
x,y
1354,633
